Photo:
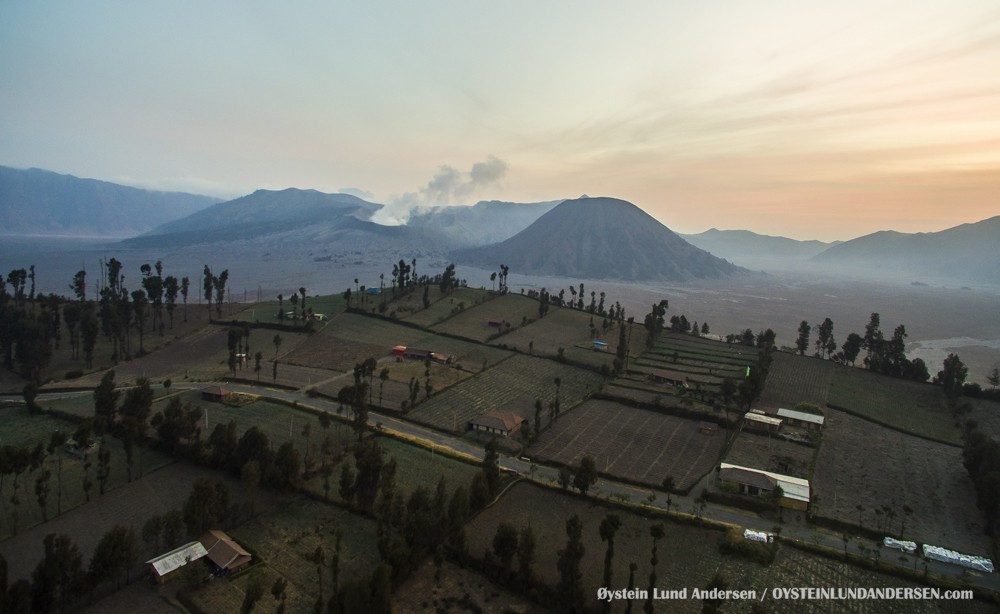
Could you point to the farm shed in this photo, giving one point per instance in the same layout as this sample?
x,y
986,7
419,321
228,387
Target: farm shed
x,y
801,419
215,393
226,555
398,350
761,422
673,378
415,354
442,359
163,567
755,482
503,423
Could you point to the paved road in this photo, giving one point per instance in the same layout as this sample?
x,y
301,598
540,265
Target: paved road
x,y
793,526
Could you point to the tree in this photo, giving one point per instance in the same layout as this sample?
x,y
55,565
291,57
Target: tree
x,y
255,590
609,526
526,554
504,547
825,345
58,578
105,403
207,506
802,343
569,590
114,554
491,467
872,342
852,347
657,532
586,475
135,412
952,376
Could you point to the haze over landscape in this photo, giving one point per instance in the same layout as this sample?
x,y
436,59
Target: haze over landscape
x,y
729,270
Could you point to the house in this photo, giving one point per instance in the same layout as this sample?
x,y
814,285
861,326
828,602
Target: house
x,y
442,359
673,378
415,354
503,423
216,393
165,566
760,422
225,555
758,483
812,422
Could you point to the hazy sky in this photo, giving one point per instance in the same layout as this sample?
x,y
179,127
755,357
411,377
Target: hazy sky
x,y
809,119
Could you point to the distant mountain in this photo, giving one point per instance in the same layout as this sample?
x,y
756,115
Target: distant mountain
x,y
265,212
39,202
599,238
970,252
484,223
749,248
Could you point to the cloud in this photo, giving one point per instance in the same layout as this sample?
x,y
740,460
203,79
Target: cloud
x,y
448,186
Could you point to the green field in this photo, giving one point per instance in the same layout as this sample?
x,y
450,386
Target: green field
x,y
473,323
912,407
442,307
795,379
267,312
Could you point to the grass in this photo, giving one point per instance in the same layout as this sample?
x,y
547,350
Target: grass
x,y
473,323
441,308
794,379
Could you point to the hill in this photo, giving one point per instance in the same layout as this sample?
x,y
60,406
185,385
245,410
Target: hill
x,y
484,223
749,248
965,253
263,213
40,202
599,238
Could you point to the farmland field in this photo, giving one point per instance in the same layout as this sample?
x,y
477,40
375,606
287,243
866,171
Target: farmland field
x,y
639,445
771,454
795,379
518,380
19,428
560,328
473,323
268,311
415,467
441,308
859,464
910,407
794,567
284,538
130,505
547,512
456,590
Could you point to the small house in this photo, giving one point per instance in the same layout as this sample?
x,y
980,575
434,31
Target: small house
x,y
415,354
758,483
225,555
812,422
503,423
216,393
398,351
165,566
442,359
761,422
672,378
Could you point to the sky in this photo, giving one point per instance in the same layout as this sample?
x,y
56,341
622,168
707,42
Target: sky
x,y
813,120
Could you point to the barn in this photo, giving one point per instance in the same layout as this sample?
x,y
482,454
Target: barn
x,y
759,422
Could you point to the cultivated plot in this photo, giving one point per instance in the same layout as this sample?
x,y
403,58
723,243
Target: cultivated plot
x,y
911,407
515,378
635,444
509,311
771,454
862,464
795,379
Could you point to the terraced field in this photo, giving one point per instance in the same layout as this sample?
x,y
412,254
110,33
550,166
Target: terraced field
x,y
635,444
795,379
473,322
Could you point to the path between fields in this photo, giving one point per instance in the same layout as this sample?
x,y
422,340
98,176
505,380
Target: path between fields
x,y
794,526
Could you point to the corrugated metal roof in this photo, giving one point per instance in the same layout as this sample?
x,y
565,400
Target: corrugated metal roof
x,y
763,419
793,488
800,415
175,559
